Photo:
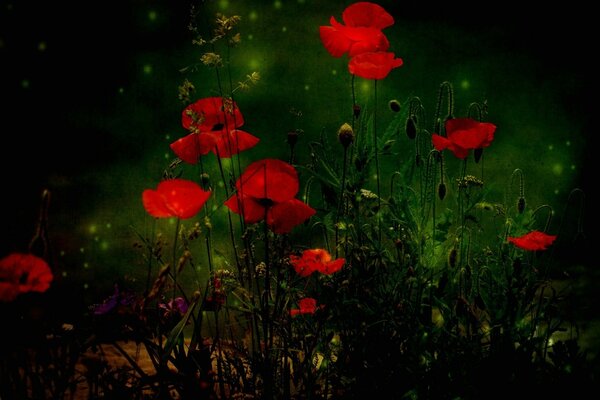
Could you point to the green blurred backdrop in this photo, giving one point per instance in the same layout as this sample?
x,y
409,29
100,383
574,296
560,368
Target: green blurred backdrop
x,y
90,106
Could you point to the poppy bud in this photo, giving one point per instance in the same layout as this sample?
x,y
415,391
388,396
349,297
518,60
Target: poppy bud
x,y
394,105
442,190
437,126
477,153
346,135
205,180
356,110
411,128
452,257
292,137
521,205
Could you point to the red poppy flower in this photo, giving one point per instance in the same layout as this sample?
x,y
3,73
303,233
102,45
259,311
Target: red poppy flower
x,y
362,32
213,124
373,65
22,273
533,241
464,134
316,260
266,190
174,198
308,305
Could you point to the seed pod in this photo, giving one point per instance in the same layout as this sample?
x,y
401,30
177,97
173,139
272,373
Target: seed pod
x,y
442,190
411,128
346,135
452,257
521,205
395,105
292,137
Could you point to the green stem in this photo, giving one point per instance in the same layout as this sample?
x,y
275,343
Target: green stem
x,y
375,143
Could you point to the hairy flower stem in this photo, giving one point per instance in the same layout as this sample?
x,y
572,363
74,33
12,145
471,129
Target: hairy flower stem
x,y
461,213
376,145
177,226
341,206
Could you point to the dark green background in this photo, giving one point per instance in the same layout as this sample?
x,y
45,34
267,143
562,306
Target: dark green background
x,y
89,96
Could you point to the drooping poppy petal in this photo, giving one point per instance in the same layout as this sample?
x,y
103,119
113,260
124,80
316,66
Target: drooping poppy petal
x,y
440,143
469,133
248,207
533,241
464,134
270,179
175,198
283,217
307,305
373,65
367,14
335,42
233,142
23,273
189,148
332,267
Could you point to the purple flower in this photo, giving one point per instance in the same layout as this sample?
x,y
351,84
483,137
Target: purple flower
x,y
177,305
117,299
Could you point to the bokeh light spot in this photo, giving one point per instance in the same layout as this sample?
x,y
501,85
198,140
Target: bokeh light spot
x,y
223,4
551,147
284,29
121,90
81,250
152,15
147,69
573,167
277,4
25,84
42,46
333,72
104,245
253,64
250,36
306,87
253,16
568,143
557,169
556,191
465,84
92,229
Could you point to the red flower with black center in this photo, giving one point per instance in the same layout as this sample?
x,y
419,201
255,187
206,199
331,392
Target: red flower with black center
x,y
22,273
266,191
316,260
174,198
373,65
307,305
362,32
463,134
213,124
533,241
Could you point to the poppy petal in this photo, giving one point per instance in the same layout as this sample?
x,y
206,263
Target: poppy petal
x,y
283,217
269,178
155,204
335,42
303,266
439,142
189,148
533,241
374,42
234,142
251,210
210,112
175,198
373,65
332,266
367,14
469,133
